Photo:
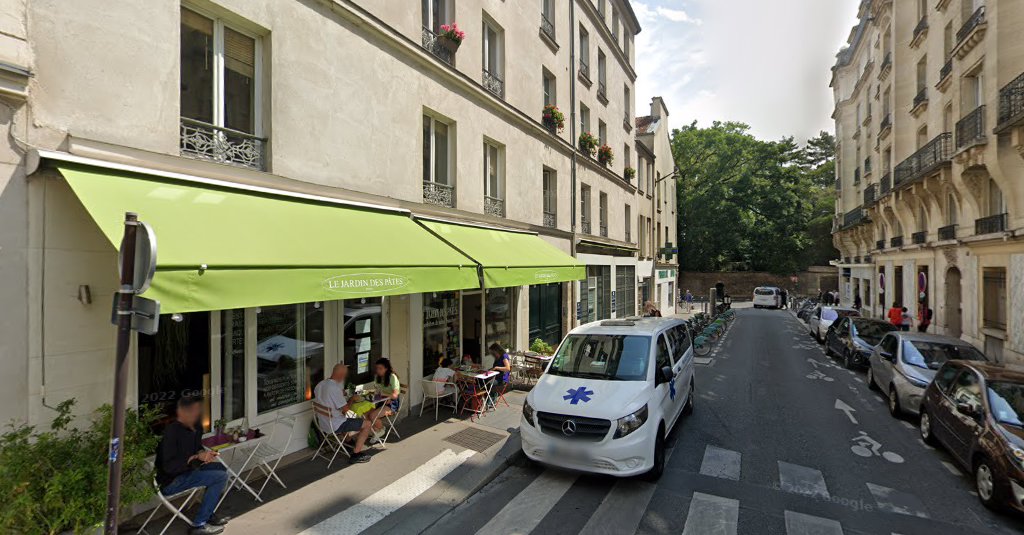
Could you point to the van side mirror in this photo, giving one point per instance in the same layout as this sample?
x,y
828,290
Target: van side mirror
x,y
663,375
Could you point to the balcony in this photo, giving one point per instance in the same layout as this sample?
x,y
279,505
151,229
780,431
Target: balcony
x,y
585,226
919,238
920,102
205,141
493,83
1011,105
885,67
866,259
879,245
919,32
990,224
550,220
604,230
944,73
602,92
885,185
934,155
629,236
439,194
494,206
947,232
438,47
627,122
854,217
970,130
585,72
884,126
971,33
896,241
547,28
870,194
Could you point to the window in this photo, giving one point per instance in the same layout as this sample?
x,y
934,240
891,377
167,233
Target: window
x,y
220,90
922,9
499,317
438,180
629,222
550,88
585,208
887,101
641,167
922,73
627,103
600,292
603,357
493,58
584,53
603,214
996,203
922,136
994,286
584,118
625,46
663,359
289,354
967,389
549,17
550,187
494,179
602,75
441,337
435,13
602,132
947,118
232,364
625,291
680,339
615,24
626,157
947,40
601,8
364,336
945,377
176,361
951,214
973,91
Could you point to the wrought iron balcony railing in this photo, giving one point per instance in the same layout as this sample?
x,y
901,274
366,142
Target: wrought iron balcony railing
x,y
205,141
604,230
886,62
550,219
971,129
969,26
494,206
627,122
946,70
1011,103
602,92
936,153
919,238
439,194
854,217
856,176
493,83
885,185
629,236
867,259
921,97
585,69
922,25
990,224
435,46
886,122
870,194
947,232
879,245
585,226
547,26
867,166
896,241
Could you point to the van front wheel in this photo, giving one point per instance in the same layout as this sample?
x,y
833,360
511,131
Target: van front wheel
x,y
655,472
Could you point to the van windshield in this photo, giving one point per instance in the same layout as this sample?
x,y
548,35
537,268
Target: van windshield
x,y
603,357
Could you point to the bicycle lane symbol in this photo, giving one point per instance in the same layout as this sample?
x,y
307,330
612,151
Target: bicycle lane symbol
x,y
865,446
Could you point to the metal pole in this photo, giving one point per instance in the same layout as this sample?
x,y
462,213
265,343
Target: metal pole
x,y
124,333
573,285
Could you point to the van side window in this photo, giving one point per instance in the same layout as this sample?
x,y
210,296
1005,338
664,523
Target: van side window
x,y
680,341
663,359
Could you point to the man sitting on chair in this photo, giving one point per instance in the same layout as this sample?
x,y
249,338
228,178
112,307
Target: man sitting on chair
x,y
331,394
183,464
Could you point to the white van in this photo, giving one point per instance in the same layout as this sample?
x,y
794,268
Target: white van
x,y
767,296
611,395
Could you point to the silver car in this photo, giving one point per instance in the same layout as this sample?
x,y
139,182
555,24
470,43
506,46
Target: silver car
x,y
822,317
903,364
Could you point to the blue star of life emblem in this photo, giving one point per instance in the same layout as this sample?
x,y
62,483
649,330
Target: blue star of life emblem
x,y
576,395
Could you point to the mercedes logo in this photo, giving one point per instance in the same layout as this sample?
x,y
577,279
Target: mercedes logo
x,y
569,428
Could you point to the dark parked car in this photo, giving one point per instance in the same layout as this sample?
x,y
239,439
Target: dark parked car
x,y
806,307
976,410
851,339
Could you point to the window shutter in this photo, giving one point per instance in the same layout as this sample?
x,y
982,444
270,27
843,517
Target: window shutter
x,y
239,53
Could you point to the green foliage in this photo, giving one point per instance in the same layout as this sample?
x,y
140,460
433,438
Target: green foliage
x,y
751,204
56,480
542,347
588,143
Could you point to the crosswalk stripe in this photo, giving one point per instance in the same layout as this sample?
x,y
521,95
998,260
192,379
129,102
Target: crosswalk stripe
x,y
524,512
712,515
802,480
623,507
801,524
895,501
389,499
720,462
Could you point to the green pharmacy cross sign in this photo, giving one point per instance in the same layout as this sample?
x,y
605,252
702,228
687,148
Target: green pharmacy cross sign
x,y
668,250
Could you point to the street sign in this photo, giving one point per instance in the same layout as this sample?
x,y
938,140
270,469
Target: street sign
x,y
145,257
145,314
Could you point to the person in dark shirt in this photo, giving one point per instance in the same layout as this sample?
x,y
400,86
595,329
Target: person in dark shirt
x,y
182,464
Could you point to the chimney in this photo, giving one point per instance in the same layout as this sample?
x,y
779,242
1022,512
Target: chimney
x,y
658,109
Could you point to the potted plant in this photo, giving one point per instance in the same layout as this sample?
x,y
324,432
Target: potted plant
x,y
451,36
219,425
629,173
588,143
605,155
553,119
542,347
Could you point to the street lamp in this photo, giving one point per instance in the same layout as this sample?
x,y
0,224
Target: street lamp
x,y
654,201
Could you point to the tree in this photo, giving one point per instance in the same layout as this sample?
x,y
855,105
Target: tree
x,y
751,204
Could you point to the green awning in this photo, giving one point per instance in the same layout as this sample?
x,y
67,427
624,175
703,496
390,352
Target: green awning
x,y
509,258
261,249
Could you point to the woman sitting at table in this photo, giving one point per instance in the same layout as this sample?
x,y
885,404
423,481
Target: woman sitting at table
x,y
467,361
386,385
502,365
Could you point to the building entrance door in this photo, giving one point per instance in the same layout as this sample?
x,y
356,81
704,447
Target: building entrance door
x,y
546,313
953,309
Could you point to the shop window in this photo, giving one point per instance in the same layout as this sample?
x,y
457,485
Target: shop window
x,y
440,329
364,336
289,354
546,313
499,323
625,291
232,364
175,362
994,284
599,293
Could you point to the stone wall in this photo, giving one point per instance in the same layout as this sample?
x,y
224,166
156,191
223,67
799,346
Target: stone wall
x,y
741,284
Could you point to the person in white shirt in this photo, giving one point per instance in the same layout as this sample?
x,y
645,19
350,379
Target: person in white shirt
x,y
444,377
331,393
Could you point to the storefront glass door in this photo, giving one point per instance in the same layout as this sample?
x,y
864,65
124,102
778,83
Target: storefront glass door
x,y
289,354
546,313
175,362
441,329
363,330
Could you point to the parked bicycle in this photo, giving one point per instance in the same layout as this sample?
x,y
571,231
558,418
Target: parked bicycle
x,y
710,330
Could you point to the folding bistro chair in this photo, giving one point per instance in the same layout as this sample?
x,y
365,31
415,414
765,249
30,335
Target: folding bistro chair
x,y
269,452
328,437
390,421
474,398
449,390
167,503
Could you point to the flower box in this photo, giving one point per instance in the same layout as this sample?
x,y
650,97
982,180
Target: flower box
x,y
605,155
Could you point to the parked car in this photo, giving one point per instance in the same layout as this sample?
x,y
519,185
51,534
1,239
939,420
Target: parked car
x,y
805,308
903,364
852,339
610,397
976,411
767,297
822,318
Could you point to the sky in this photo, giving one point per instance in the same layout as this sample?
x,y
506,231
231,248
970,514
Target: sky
x,y
761,62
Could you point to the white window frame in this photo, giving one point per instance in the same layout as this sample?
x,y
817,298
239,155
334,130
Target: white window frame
x,y
443,16
450,178
549,191
584,117
499,154
496,44
549,86
584,46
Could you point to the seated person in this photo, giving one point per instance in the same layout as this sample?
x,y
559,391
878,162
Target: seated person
x,y
444,376
331,394
467,361
502,365
386,385
183,464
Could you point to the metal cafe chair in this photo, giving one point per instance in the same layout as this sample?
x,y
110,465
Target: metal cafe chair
x,y
448,390
328,437
167,502
392,419
269,452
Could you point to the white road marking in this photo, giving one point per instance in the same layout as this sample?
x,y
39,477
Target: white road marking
x,y
848,410
895,501
908,425
952,468
801,524
712,515
859,380
802,480
524,512
719,462
389,499
925,444
623,507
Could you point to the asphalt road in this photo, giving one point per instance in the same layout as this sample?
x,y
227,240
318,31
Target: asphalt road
x,y
766,452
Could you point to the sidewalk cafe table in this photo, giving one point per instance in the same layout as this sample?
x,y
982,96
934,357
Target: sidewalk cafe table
x,y
222,444
367,392
486,380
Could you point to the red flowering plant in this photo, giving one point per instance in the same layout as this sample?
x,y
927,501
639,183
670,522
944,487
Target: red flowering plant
x,y
553,118
452,32
605,155
588,143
